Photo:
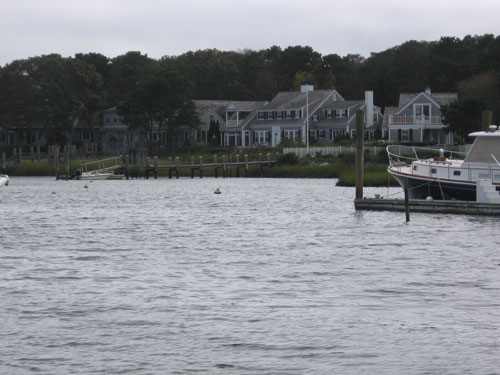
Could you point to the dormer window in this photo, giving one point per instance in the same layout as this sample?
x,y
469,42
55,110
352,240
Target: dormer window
x,y
341,113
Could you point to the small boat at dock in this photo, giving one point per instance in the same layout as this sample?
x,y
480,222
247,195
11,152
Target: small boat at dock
x,y
96,175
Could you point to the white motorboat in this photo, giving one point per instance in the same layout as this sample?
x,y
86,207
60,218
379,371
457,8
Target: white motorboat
x,y
4,180
448,175
95,175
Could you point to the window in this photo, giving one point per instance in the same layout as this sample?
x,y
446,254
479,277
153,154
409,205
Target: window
x,y
341,113
279,115
291,134
321,133
422,112
433,170
456,173
405,135
415,167
260,116
375,116
130,137
85,135
328,113
163,138
261,136
315,117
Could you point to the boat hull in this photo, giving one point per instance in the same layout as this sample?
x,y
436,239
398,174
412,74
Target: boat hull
x,y
4,180
421,188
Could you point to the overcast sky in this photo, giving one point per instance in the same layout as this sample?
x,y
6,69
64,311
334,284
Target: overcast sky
x,y
172,27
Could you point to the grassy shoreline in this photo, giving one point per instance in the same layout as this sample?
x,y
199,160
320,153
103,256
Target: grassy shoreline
x,y
375,173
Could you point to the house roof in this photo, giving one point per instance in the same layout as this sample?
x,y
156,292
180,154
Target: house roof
x,y
295,100
441,98
388,112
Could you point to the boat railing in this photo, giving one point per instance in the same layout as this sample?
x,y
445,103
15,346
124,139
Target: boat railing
x,y
400,155
103,165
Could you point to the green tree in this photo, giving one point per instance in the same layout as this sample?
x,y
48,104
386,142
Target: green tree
x,y
485,86
45,90
463,116
164,101
213,135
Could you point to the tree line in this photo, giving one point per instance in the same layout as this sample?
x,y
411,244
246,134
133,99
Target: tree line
x,y
54,91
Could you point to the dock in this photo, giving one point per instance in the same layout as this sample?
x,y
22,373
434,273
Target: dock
x,y
428,206
225,166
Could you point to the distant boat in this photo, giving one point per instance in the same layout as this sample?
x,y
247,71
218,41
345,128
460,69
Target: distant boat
x,y
217,191
449,177
4,180
100,176
97,175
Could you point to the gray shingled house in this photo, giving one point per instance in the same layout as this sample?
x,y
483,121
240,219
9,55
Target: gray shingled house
x,y
418,118
324,112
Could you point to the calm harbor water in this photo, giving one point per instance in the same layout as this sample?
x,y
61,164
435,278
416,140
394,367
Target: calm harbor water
x,y
273,276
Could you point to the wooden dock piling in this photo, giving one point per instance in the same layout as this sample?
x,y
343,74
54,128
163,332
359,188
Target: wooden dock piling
x,y
360,150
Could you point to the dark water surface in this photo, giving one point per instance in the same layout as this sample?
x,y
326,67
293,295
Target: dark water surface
x,y
273,276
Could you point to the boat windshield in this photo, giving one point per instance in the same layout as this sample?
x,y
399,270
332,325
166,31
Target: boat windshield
x,y
482,149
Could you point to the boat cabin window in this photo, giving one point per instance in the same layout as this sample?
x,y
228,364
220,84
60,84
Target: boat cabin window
x,y
415,167
457,173
433,170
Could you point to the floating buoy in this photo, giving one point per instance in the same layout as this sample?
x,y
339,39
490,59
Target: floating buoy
x,y
217,191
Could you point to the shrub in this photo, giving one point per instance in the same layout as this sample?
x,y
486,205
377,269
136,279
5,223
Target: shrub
x,y
288,159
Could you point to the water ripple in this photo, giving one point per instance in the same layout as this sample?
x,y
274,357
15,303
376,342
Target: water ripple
x,y
270,277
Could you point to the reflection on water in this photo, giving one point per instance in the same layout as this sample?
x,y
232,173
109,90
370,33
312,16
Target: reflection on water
x,y
273,276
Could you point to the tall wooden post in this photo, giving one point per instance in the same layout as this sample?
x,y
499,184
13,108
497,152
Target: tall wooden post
x,y
407,203
486,119
147,168
3,160
56,161
156,166
246,165
360,151
201,166
66,158
177,167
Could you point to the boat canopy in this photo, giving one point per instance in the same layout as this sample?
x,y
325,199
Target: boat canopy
x,y
482,149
